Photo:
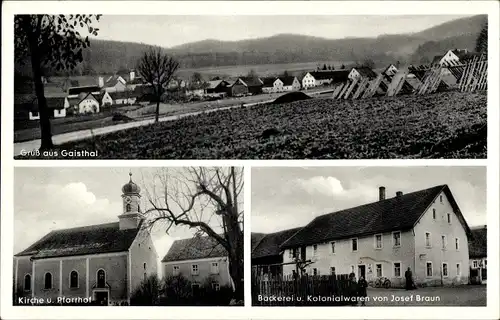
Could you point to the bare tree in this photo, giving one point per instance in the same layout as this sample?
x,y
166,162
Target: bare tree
x,y
157,69
206,199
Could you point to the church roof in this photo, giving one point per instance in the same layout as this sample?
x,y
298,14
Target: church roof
x,y
95,239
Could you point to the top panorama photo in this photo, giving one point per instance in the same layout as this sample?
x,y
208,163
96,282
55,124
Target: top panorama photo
x,y
250,87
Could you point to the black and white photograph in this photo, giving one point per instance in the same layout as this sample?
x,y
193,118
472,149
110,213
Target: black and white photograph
x,y
369,236
128,237
250,86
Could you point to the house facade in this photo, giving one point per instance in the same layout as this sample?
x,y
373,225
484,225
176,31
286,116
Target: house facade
x,y
361,72
423,230
290,83
201,260
217,87
238,88
308,81
100,264
478,255
84,103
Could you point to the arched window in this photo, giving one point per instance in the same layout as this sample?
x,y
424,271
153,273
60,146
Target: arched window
x,y
48,281
73,279
27,282
129,207
101,278
144,265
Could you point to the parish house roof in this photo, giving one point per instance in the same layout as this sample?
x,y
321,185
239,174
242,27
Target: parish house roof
x,y
199,247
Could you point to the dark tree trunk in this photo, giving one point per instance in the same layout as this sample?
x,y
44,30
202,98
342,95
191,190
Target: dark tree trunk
x,y
235,238
46,132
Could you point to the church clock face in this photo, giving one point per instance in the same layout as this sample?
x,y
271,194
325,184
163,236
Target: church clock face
x,y
128,199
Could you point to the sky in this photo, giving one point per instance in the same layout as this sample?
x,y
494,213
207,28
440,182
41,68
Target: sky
x,y
47,199
284,198
173,30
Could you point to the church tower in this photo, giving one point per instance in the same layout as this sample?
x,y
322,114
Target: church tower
x,y
131,196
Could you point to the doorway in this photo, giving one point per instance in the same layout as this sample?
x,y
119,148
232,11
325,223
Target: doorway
x,y
102,298
361,271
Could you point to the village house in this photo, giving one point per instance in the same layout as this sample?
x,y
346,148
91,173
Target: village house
x,y
119,97
271,84
388,74
290,83
478,255
361,72
423,230
74,92
453,57
106,262
114,83
201,260
238,88
267,257
29,109
253,84
321,78
83,103
217,87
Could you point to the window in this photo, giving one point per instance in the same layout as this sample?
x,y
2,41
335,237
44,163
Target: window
x,y
73,279
194,269
355,245
129,207
215,286
333,246
315,250
144,265
352,269
214,268
176,270
332,270
459,272
428,239
378,269
101,278
397,269
443,242
449,217
290,254
457,244
48,281
434,214
441,199
445,269
485,260
429,269
27,282
378,241
396,239
315,271
475,264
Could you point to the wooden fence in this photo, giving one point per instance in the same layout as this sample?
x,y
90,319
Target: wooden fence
x,y
332,290
470,76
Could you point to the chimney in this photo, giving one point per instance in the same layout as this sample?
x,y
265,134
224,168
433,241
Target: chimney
x,y
101,82
399,194
381,193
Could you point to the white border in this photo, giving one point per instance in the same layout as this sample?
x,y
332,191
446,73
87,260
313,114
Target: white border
x,y
248,8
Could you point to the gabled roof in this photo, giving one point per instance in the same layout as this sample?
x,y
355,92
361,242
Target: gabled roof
x,y
287,81
215,83
194,248
82,96
251,81
366,72
113,80
478,243
270,244
255,239
95,239
398,213
78,90
335,75
268,82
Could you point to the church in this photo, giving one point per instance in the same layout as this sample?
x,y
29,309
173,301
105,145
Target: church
x,y
98,264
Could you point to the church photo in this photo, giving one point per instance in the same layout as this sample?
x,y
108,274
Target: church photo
x,y
128,236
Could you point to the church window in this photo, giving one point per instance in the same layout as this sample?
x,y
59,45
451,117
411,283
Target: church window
x,y
73,279
144,265
101,278
48,281
128,208
27,282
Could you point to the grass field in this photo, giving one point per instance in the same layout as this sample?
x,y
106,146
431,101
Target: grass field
x,y
443,125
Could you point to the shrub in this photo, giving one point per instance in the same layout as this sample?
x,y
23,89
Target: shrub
x,y
148,292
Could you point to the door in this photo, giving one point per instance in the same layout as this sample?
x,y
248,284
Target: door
x,y
101,298
361,271
303,253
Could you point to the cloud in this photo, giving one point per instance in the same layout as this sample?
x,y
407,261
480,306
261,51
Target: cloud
x,y
328,186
